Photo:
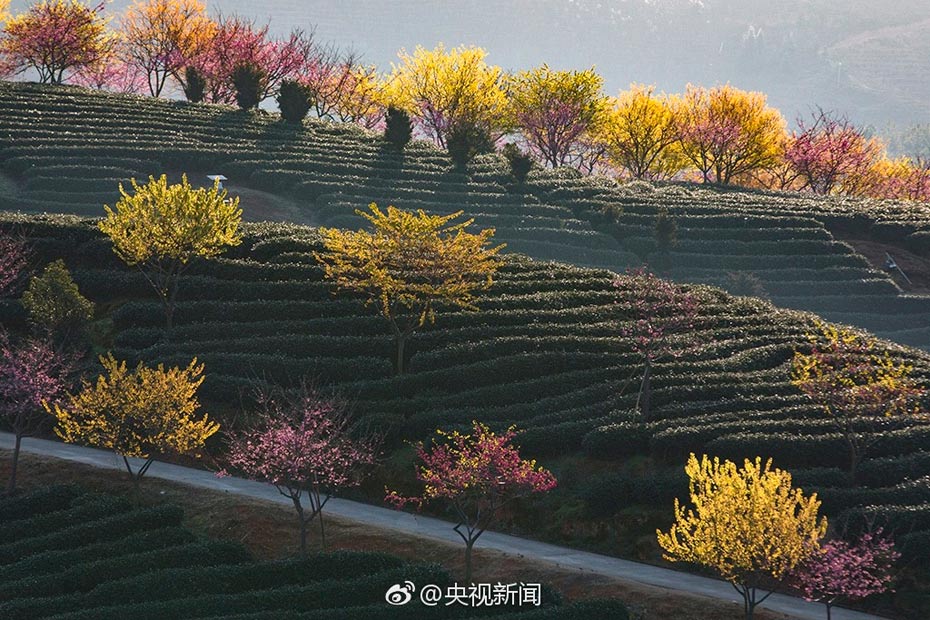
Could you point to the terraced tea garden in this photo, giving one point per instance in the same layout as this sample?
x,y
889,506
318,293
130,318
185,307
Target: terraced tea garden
x,y
67,149
70,554
546,350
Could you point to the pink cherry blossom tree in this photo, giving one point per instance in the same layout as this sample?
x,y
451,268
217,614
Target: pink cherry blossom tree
x,y
660,312
342,88
829,153
32,373
554,109
477,474
851,571
306,448
114,73
240,42
55,37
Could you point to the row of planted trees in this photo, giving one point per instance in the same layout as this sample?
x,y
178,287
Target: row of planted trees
x,y
169,47
720,135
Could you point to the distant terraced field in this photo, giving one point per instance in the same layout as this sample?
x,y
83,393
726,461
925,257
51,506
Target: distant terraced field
x,y
66,150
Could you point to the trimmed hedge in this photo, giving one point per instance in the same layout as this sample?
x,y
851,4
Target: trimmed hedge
x,y
616,441
84,533
330,593
40,501
57,592
82,509
51,561
607,494
182,582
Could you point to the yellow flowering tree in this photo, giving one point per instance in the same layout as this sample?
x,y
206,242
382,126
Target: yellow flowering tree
x,y
162,227
409,264
140,413
448,89
727,133
861,389
748,524
555,109
640,133
357,96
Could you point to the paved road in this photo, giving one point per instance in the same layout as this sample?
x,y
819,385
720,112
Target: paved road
x,y
437,529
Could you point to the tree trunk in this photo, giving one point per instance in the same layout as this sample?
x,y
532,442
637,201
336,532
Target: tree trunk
x,y
322,531
750,602
301,522
170,302
11,485
644,402
853,464
829,611
468,548
135,481
401,340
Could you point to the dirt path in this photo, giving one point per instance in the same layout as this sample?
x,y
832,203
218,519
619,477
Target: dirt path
x,y
915,267
653,588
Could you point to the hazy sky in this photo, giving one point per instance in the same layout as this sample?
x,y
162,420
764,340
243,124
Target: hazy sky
x,y
853,55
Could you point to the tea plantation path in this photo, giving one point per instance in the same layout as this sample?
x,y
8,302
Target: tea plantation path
x,y
437,529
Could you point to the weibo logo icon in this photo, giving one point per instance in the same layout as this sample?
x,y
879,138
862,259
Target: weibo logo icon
x,y
400,593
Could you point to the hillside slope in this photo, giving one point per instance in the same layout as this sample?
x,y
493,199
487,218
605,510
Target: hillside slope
x,y
544,352
66,150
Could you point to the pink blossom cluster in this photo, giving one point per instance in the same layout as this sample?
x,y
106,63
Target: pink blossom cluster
x,y
553,130
659,310
32,372
851,571
237,42
306,446
12,262
828,151
481,466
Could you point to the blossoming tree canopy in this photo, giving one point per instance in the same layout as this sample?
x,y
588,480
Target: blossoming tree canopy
x,y
162,227
553,109
303,446
409,264
236,42
726,133
55,37
139,413
162,36
752,549
661,311
860,388
847,570
32,374
477,473
13,262
640,133
444,89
